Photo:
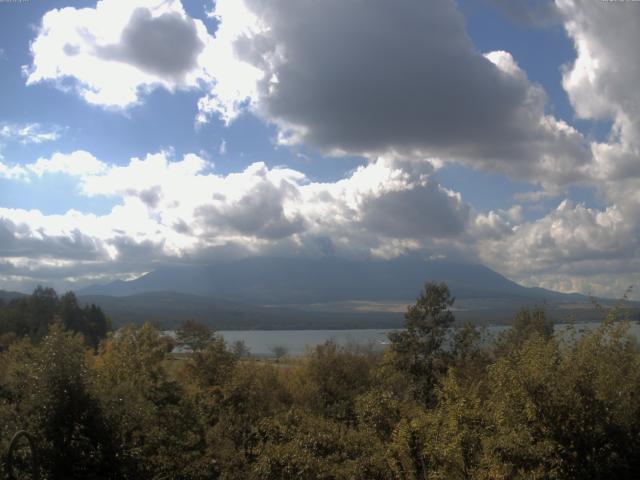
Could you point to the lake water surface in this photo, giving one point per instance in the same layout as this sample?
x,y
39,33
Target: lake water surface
x,y
296,342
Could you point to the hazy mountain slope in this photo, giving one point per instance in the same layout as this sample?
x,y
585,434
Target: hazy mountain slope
x,y
281,281
171,309
6,296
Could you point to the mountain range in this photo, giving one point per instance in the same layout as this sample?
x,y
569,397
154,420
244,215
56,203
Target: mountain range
x,y
329,293
292,281
283,293
6,296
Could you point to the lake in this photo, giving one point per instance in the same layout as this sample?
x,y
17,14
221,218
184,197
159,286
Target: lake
x,y
296,342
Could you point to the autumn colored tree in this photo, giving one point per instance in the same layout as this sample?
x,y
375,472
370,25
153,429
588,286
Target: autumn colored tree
x,y
154,423
49,385
194,336
439,403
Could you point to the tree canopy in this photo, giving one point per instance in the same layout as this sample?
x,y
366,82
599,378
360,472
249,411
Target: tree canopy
x,y
32,316
442,402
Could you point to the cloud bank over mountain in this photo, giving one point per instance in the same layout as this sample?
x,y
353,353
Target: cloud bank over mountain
x,y
401,85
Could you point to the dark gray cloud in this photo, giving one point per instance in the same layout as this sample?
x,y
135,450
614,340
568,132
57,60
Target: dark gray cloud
x,y
130,250
21,240
167,45
381,74
404,76
419,212
259,213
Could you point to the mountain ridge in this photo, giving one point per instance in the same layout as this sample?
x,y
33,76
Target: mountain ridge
x,y
7,296
330,293
283,281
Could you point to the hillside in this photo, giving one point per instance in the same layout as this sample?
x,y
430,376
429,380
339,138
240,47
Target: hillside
x,y
6,296
279,293
170,309
287,281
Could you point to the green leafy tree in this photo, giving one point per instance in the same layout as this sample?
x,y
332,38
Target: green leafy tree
x,y
211,364
299,445
331,378
417,350
279,352
96,325
251,394
194,336
526,324
469,353
90,321
33,316
41,308
240,349
49,385
153,420
378,411
439,404
406,449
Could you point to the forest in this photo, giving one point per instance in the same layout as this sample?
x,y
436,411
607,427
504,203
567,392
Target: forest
x,y
443,401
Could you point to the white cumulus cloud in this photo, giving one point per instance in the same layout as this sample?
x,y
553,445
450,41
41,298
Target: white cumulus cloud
x,y
572,245
180,210
116,52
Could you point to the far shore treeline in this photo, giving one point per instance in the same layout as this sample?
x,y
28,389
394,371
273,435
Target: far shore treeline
x,y
32,316
526,404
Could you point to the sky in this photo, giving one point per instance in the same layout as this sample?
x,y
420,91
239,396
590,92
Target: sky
x,y
155,132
